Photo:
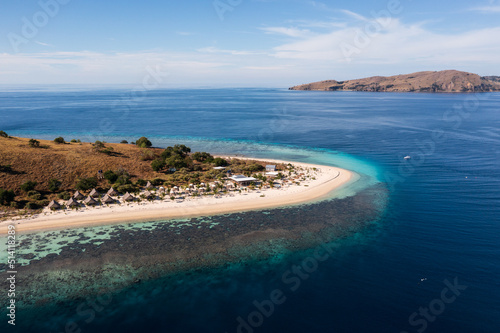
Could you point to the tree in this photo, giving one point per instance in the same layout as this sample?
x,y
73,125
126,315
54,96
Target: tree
x,y
158,165
220,162
202,157
85,184
28,186
143,142
6,196
54,185
124,141
110,176
59,140
99,145
176,161
34,143
3,134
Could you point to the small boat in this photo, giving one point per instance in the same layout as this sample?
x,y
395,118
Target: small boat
x,y
407,157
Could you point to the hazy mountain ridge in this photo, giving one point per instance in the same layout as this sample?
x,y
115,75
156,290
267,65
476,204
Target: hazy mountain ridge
x,y
429,81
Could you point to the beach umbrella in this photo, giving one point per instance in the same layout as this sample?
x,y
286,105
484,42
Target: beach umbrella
x,y
107,199
71,203
128,197
94,193
112,192
54,205
90,201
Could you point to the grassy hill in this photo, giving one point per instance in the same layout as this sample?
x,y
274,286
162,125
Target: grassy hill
x,y
70,163
440,81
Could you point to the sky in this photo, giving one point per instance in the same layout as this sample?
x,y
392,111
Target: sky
x,y
241,43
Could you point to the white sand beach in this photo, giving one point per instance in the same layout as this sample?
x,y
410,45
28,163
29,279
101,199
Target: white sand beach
x,y
321,181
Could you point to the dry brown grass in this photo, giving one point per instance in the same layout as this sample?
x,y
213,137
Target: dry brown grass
x,y
67,163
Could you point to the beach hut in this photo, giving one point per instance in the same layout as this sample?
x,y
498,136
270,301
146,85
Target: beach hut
x,y
270,168
149,185
243,180
112,192
78,195
107,199
72,203
128,197
90,201
94,193
54,205
148,194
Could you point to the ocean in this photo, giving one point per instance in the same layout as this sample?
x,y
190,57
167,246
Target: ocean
x,y
429,262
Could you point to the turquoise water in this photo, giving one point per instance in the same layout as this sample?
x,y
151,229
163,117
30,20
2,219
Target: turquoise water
x,y
441,221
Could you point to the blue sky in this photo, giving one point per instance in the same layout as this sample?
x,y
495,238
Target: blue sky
x,y
270,43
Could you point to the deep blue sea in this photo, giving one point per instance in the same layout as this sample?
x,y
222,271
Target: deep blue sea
x,y
432,264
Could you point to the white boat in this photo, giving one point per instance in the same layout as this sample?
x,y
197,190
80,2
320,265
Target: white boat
x,y
407,157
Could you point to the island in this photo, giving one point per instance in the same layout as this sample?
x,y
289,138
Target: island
x,y
446,81
57,184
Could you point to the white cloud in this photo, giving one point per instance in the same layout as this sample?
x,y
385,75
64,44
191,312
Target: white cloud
x,y
390,41
487,9
291,32
43,44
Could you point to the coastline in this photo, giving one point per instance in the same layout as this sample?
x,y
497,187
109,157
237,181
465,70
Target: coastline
x,y
328,179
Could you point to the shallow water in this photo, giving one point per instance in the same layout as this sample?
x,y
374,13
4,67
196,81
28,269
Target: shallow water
x,y
440,222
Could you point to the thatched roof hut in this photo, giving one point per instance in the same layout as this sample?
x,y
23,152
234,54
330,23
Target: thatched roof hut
x,y
78,195
149,185
147,194
54,205
112,192
107,199
128,197
90,201
72,203
94,193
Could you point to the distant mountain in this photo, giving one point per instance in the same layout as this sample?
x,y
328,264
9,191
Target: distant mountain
x,y
443,81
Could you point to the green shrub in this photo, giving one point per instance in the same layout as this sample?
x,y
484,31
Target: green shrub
x,y
54,185
64,195
123,180
126,188
42,203
73,140
124,141
85,184
3,134
99,144
202,157
35,195
59,140
254,167
31,205
147,155
143,142
107,151
140,182
34,143
28,186
158,165
110,176
157,181
219,162
15,204
6,196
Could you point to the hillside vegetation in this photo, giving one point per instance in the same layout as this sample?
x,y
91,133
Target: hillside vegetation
x,y
438,82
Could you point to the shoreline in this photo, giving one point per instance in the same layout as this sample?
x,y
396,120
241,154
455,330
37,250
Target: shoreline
x,y
327,180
